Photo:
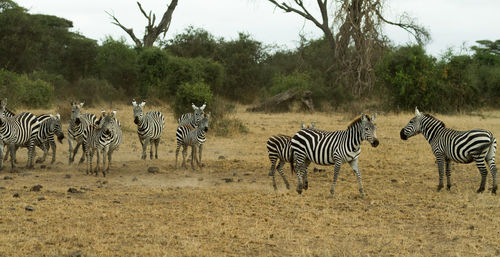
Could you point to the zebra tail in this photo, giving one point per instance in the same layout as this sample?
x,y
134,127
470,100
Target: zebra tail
x,y
292,168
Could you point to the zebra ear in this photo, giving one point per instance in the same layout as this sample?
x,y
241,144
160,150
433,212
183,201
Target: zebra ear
x,y
4,102
142,104
134,103
374,116
203,106
313,124
417,113
58,116
113,113
194,106
363,117
81,105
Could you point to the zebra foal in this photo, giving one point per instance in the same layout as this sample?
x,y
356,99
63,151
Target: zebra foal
x,y
194,137
279,147
100,138
332,148
448,145
19,130
149,128
78,129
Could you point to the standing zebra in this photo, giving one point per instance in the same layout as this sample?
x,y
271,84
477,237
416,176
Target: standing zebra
x,y
194,137
99,140
116,139
280,147
79,126
149,128
448,145
49,125
332,148
192,119
18,130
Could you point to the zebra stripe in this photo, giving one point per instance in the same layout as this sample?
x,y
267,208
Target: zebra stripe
x,y
192,119
332,148
149,128
99,140
78,130
194,137
279,147
448,145
18,130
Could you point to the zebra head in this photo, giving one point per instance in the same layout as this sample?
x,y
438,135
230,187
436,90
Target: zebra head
x,y
56,127
204,123
3,105
198,112
138,113
107,122
414,127
75,112
369,130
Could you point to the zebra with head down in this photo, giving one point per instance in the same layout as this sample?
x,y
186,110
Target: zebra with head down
x,y
448,145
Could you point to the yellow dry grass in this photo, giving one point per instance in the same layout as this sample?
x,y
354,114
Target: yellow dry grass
x,y
196,213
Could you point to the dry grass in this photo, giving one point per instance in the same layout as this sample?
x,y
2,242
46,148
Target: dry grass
x,y
185,213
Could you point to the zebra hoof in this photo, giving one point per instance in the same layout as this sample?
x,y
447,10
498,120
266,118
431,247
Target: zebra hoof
x,y
288,186
306,186
494,190
439,187
299,191
480,190
39,161
448,187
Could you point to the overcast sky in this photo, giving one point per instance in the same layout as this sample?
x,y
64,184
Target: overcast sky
x,y
451,23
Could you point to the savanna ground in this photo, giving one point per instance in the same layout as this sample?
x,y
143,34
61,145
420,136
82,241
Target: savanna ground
x,y
230,208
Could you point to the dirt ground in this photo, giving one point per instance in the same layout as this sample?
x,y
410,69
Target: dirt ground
x,y
229,208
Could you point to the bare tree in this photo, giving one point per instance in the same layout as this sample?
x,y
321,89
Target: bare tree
x,y
353,31
151,32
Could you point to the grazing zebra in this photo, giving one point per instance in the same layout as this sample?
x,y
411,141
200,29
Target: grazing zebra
x,y
448,145
192,119
280,147
49,125
79,126
332,148
99,140
194,137
18,130
149,128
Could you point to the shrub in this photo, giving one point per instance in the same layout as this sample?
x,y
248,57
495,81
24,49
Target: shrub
x,y
229,126
21,90
297,80
152,73
92,91
197,93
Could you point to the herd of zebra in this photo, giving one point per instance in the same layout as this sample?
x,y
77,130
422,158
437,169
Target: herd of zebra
x,y
337,147
101,136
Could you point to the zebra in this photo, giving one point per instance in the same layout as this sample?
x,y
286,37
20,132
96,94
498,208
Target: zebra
x,y
100,138
149,128
49,125
79,126
192,119
332,148
116,139
194,137
280,147
18,130
448,145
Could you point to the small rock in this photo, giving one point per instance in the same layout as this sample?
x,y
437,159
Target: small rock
x,y
16,195
153,169
116,201
74,190
43,166
29,208
12,208
247,174
228,180
221,157
36,188
7,178
67,176
394,180
41,198
134,179
471,227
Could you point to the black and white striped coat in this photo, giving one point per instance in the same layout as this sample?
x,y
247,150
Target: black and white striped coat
x,y
332,148
194,137
279,147
448,145
149,128
78,129
192,119
19,130
100,138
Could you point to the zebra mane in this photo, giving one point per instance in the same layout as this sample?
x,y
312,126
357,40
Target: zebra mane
x,y
440,122
357,120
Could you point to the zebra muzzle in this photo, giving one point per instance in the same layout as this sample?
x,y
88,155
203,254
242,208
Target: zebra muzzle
x,y
375,143
60,138
136,120
402,135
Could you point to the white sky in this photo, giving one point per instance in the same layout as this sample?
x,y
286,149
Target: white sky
x,y
450,22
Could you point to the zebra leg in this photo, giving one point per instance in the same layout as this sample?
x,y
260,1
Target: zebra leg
x,y
145,147
448,175
157,142
304,174
355,168
336,171
482,169
300,167
12,149
104,153
193,156
440,163
53,146
490,159
1,154
199,159
45,150
7,153
82,158
177,154
280,170
184,155
273,166
152,142
98,156
110,152
70,151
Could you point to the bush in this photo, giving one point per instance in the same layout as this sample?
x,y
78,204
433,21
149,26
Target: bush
x,y
152,73
297,80
21,90
229,126
197,93
92,91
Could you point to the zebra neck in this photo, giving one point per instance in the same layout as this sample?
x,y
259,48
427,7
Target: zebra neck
x,y
430,128
354,135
